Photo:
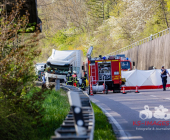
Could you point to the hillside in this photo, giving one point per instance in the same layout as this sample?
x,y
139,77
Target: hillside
x,y
107,25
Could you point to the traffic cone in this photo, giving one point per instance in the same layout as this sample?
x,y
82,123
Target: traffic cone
x,y
136,90
91,91
124,90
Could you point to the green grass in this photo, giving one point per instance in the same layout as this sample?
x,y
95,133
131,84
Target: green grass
x,y
56,107
103,130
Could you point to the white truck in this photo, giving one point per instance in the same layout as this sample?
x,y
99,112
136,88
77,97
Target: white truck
x,y
60,62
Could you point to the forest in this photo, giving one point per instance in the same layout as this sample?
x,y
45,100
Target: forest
x,y
108,25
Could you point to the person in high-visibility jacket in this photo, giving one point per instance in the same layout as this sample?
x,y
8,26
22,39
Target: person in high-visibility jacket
x,y
74,76
87,83
85,79
69,79
83,85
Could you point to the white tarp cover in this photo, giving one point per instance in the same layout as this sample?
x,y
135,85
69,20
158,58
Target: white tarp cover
x,y
144,77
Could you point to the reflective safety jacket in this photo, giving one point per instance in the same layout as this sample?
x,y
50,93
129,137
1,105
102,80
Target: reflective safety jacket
x,y
69,79
74,78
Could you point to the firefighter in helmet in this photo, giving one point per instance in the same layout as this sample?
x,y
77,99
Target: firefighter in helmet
x,y
74,76
85,78
83,83
69,78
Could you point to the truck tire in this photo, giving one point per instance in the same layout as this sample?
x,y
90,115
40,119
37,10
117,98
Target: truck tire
x,y
116,89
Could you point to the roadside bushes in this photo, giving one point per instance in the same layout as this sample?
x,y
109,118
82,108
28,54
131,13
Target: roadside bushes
x,y
24,107
15,124
36,117
18,115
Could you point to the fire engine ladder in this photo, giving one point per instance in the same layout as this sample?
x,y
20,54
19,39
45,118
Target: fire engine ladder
x,y
93,74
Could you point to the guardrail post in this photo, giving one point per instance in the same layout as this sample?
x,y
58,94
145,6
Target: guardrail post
x,y
74,100
57,84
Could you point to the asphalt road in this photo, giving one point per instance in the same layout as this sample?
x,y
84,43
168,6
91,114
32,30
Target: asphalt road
x,y
123,111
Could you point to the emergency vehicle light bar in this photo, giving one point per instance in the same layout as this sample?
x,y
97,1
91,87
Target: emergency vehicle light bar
x,y
111,57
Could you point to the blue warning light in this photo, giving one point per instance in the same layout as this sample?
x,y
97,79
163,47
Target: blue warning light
x,y
104,58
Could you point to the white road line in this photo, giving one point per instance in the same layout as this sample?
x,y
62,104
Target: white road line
x,y
153,95
167,98
123,136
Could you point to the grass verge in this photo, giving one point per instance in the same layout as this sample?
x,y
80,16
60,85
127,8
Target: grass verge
x,y
53,110
103,129
56,107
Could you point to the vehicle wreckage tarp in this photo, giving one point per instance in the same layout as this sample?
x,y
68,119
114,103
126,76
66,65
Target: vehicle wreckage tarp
x,y
144,79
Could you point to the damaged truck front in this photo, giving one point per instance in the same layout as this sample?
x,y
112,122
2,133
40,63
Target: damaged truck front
x,y
60,62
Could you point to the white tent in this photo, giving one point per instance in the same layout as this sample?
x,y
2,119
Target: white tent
x,y
143,78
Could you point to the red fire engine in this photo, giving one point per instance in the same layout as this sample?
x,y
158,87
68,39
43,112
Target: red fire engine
x,y
104,73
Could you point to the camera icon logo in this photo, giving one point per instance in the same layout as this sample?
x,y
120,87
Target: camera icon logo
x,y
161,113
145,114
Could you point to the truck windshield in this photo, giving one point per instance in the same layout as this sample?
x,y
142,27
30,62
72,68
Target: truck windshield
x,y
125,65
55,69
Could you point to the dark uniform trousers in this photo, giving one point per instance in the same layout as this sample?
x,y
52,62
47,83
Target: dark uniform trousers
x,y
164,78
164,81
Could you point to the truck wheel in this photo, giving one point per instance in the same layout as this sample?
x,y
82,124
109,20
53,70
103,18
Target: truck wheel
x,y
116,88
106,89
116,91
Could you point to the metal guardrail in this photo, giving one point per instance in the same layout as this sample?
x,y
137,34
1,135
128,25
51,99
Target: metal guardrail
x,y
140,42
79,123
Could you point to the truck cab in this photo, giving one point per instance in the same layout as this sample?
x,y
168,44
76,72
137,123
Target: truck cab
x,y
126,63
60,62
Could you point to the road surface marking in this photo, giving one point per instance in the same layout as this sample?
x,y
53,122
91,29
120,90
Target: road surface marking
x,y
167,98
153,95
123,136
